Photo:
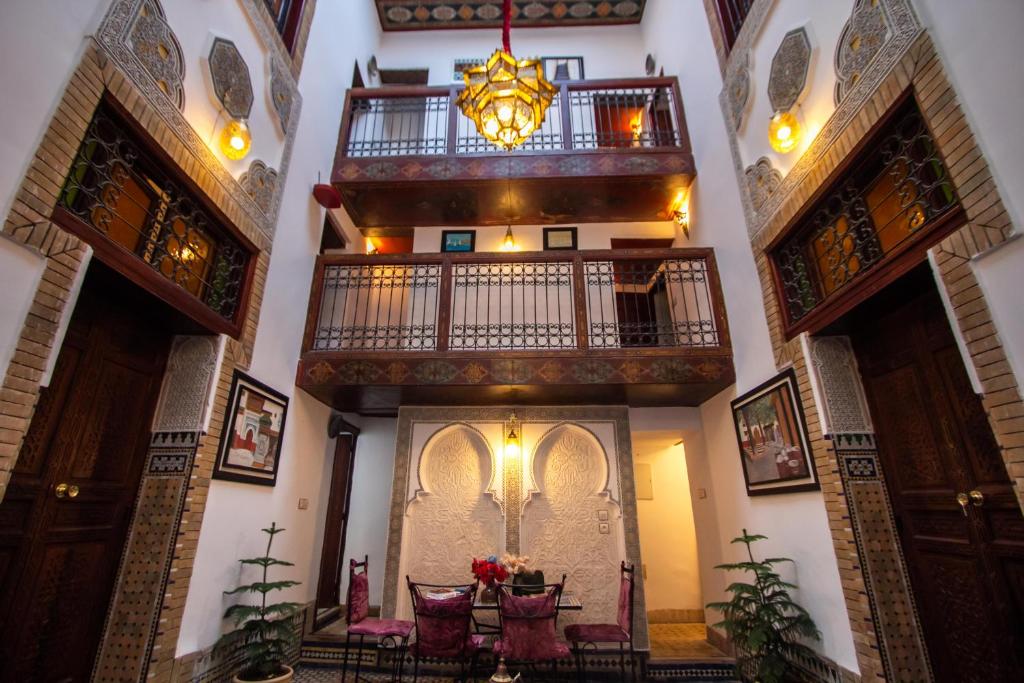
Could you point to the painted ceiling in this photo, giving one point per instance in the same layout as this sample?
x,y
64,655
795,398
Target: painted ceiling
x,y
413,15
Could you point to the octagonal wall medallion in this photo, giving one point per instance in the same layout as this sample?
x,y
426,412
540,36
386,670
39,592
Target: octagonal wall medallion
x,y
230,77
788,74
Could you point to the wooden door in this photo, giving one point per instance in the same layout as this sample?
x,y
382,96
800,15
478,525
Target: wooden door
x,y
966,563
328,593
64,518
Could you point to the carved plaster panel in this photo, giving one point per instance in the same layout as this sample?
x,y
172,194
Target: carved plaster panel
x,y
762,179
788,74
282,92
260,182
188,381
903,29
833,370
738,90
562,529
452,518
230,77
157,48
115,37
859,43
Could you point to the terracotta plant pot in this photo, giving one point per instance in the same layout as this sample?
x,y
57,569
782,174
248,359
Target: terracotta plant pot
x,y
286,677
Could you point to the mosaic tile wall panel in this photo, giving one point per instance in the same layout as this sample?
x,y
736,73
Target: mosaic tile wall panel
x,y
145,562
887,582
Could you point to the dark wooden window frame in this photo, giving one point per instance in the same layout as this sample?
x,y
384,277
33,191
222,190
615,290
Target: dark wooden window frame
x,y
890,266
135,269
731,16
288,27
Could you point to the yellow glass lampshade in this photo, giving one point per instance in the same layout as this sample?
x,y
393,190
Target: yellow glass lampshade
x,y
235,139
509,244
512,446
506,98
784,132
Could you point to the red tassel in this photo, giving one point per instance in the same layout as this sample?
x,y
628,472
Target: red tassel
x,y
506,28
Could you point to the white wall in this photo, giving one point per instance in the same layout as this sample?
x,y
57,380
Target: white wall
x,y
823,22
668,539
678,36
531,237
235,512
981,52
367,532
608,52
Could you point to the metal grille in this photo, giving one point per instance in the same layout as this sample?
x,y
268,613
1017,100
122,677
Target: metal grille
x,y
377,308
547,137
398,126
657,302
512,306
623,117
119,190
888,199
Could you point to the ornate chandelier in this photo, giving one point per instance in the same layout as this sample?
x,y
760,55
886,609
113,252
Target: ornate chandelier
x,y
506,98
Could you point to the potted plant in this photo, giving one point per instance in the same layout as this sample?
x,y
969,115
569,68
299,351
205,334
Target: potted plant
x,y
762,620
263,633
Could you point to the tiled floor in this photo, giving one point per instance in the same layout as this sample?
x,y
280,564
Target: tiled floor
x,y
682,641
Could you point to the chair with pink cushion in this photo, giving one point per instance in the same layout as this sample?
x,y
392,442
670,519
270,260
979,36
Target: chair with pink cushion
x,y
529,625
444,615
583,636
383,631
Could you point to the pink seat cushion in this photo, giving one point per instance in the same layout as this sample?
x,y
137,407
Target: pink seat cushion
x,y
358,597
442,625
474,643
596,633
528,627
381,628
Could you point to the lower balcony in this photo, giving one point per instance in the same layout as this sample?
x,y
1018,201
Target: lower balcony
x,y
643,327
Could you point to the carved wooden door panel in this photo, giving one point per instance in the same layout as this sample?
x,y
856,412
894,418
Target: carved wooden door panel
x,y
64,518
934,440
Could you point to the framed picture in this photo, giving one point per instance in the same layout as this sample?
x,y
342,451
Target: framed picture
x,y
458,240
562,68
250,446
772,434
559,238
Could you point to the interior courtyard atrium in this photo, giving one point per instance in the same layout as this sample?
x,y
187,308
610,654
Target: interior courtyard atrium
x,y
511,340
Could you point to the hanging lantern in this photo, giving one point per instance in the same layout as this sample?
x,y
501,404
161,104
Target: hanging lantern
x,y
784,132
509,243
506,98
513,447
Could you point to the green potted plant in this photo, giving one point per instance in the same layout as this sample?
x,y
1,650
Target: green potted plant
x,y
762,620
263,633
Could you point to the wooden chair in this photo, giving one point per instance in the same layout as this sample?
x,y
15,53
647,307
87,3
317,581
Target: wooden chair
x,y
443,626
359,624
583,636
529,626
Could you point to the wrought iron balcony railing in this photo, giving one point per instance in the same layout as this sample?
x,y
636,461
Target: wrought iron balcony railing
x,y
604,114
626,299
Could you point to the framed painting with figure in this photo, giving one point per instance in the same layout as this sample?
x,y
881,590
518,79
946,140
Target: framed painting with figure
x,y
250,446
775,452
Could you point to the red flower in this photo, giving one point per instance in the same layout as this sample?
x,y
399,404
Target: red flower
x,y
488,572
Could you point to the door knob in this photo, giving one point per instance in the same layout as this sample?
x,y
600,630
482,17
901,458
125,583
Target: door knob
x,y
64,490
977,498
962,499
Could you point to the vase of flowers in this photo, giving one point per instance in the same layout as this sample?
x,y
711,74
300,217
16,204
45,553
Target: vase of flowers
x,y
489,572
525,580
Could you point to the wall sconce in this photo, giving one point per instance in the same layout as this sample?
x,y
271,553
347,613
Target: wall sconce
x,y
235,139
513,444
784,132
681,213
509,244
371,247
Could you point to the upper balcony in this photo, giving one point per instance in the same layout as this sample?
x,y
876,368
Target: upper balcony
x,y
643,327
609,150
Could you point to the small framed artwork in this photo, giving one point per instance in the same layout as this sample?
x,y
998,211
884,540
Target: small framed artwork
x,y
559,238
775,452
250,446
458,240
562,68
